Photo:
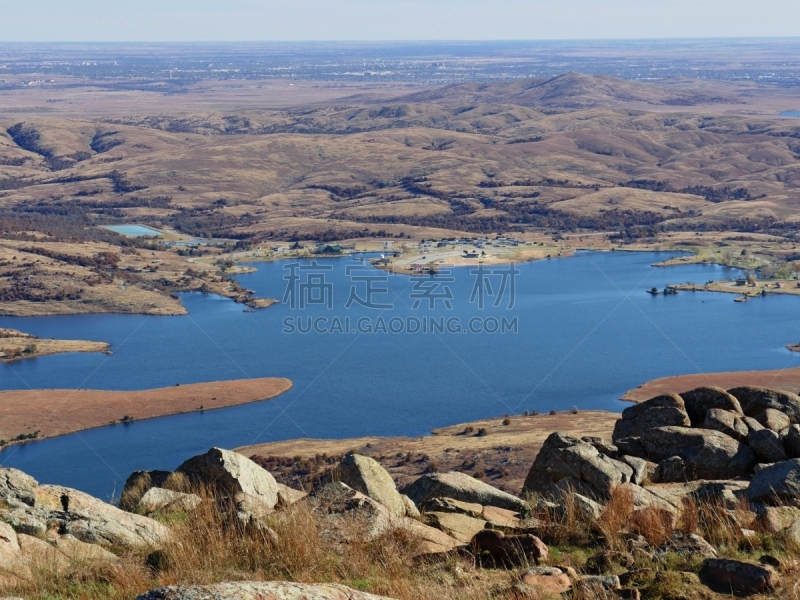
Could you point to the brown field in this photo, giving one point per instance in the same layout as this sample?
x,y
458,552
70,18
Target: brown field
x,y
16,345
504,454
784,379
574,161
58,412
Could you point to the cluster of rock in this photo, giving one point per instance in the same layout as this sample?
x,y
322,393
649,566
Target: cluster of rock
x,y
57,526
747,436
741,445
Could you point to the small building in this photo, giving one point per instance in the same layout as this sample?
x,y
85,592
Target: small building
x,y
329,249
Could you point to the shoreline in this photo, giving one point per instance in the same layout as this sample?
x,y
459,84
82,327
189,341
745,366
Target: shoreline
x,y
32,415
787,380
498,450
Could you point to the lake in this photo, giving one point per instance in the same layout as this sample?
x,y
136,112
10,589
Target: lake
x,y
791,113
133,230
586,332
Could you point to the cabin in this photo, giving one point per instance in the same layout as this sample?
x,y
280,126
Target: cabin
x,y
329,249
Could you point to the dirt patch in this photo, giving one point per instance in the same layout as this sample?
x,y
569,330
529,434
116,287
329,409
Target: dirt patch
x,y
787,380
498,453
32,414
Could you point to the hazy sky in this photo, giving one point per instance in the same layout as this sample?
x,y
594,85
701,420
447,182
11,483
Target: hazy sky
x,y
215,20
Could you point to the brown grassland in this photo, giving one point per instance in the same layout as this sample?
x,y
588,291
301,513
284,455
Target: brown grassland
x,y
572,162
49,413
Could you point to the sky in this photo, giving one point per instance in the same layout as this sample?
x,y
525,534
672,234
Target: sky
x,y
384,20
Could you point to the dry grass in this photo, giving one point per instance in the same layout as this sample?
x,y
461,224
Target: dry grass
x,y
210,545
58,412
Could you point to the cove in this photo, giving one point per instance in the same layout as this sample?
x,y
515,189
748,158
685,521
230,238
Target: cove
x,y
587,332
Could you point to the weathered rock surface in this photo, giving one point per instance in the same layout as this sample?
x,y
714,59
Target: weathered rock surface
x,y
496,548
767,446
699,401
773,419
791,442
9,546
137,485
160,500
367,476
639,466
726,422
497,517
232,473
583,462
34,509
346,513
460,527
775,519
672,470
587,508
288,496
411,508
252,512
568,465
461,486
779,484
661,411
755,400
539,480
708,454
60,553
271,590
688,545
725,576
546,581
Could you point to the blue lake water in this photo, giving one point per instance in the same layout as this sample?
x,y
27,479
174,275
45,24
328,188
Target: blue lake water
x,y
132,230
587,332
791,113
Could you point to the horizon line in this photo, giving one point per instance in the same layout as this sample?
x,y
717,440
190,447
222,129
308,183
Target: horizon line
x,y
419,41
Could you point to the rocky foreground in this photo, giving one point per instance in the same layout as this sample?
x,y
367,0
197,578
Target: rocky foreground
x,y
695,496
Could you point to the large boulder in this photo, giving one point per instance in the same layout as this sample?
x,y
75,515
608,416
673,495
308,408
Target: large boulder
x,y
777,484
60,554
727,422
773,419
34,509
700,400
661,411
231,473
728,576
791,442
584,463
345,513
755,400
708,454
266,590
566,464
368,477
460,486
767,446
539,479
166,501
